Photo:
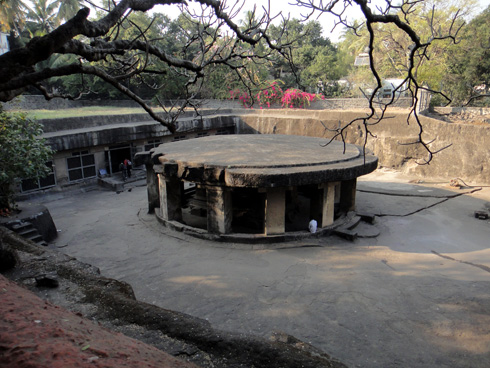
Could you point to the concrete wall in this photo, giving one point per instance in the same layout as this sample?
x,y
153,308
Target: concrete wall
x,y
37,102
473,110
468,157
32,102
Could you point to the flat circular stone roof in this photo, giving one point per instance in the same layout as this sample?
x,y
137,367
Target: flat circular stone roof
x,y
257,150
263,160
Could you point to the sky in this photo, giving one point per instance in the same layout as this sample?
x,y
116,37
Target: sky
x,y
326,20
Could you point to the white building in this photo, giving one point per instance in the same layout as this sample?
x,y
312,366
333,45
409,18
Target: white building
x,y
4,44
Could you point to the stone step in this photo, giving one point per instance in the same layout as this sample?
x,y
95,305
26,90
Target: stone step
x,y
370,218
36,238
354,228
346,234
26,233
365,230
352,224
21,226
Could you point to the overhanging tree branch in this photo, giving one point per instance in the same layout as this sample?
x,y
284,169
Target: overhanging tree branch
x,y
396,15
103,49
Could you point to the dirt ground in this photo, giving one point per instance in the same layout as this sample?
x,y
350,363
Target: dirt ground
x,y
36,333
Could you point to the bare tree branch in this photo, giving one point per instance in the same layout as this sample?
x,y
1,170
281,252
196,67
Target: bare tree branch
x,y
397,15
97,43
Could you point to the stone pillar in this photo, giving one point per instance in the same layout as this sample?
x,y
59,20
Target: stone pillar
x,y
170,198
275,211
328,204
348,195
152,188
220,210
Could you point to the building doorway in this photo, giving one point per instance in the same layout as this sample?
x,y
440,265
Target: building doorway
x,y
116,155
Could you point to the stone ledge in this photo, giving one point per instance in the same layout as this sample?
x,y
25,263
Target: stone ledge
x,y
254,239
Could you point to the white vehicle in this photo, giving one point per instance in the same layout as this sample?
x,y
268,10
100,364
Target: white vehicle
x,y
391,86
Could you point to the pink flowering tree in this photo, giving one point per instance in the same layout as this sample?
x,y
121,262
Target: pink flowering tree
x,y
273,95
295,98
270,95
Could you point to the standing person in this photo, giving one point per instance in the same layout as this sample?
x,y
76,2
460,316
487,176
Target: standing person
x,y
128,165
319,87
124,170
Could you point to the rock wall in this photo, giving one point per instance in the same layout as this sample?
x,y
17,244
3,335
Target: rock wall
x,y
107,131
466,158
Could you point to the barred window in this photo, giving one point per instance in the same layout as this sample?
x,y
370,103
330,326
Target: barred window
x,y
152,144
40,183
81,166
179,138
222,132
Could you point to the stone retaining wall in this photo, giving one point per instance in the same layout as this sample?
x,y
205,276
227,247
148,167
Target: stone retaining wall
x,y
467,157
473,110
37,102
33,102
79,122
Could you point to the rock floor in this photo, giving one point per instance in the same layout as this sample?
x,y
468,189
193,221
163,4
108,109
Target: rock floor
x,y
415,296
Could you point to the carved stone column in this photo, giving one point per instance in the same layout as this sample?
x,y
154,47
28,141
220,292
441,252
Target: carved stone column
x,y
220,211
275,211
348,195
152,188
328,206
170,198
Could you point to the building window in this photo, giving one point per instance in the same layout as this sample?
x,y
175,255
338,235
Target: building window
x,y
152,144
179,138
222,132
40,183
81,166
4,44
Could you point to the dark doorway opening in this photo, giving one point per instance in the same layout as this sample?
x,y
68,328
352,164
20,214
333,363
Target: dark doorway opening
x,y
248,211
118,154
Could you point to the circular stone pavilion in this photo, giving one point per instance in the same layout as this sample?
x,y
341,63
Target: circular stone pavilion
x,y
260,186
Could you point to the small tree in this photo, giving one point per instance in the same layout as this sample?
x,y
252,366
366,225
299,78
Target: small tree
x,y
23,154
468,79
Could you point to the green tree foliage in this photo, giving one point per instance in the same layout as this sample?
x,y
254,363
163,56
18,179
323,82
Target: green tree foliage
x,y
159,31
431,20
314,56
187,37
67,9
23,153
12,15
469,61
42,17
24,20
317,58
